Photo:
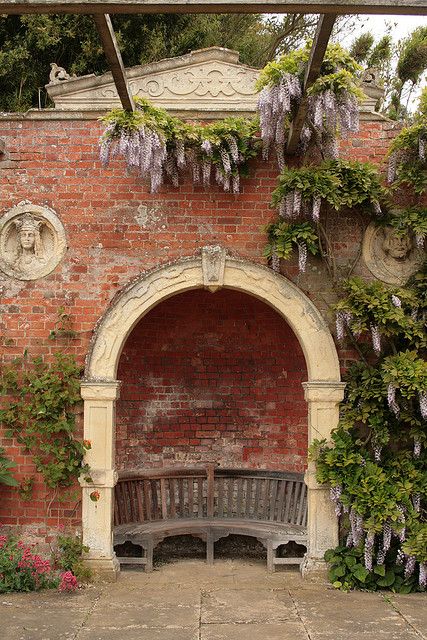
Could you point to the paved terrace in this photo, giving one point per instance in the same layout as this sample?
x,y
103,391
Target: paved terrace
x,y
233,600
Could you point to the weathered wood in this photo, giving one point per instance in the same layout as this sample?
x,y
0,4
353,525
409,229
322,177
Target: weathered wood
x,y
155,504
386,7
318,49
210,490
114,59
164,498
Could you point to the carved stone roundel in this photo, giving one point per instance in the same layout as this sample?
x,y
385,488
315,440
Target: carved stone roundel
x,y
32,241
390,257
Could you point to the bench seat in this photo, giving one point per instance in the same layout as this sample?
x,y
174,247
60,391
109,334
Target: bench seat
x,y
210,504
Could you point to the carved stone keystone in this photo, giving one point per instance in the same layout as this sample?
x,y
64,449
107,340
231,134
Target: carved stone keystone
x,y
213,265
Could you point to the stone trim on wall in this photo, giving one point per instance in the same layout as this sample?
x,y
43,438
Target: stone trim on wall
x,y
212,270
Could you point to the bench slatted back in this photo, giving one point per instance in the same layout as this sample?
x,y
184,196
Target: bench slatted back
x,y
162,494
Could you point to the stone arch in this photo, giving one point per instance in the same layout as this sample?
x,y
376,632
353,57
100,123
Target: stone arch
x,y
213,270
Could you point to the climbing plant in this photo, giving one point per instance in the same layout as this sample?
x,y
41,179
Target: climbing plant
x,y
158,146
38,405
376,463
332,100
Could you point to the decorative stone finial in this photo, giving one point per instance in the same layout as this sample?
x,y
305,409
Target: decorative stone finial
x,y
58,74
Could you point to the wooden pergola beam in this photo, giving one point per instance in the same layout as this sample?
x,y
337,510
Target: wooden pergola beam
x,y
402,7
114,59
320,42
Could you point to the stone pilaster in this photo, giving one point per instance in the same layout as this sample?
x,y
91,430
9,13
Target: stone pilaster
x,y
98,510
323,412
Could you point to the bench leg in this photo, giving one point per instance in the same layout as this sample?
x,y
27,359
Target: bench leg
x,y
149,549
210,548
271,554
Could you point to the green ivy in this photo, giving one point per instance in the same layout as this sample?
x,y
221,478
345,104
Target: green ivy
x,y
39,400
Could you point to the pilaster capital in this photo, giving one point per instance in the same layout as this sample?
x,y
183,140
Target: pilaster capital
x,y
96,390
99,478
324,391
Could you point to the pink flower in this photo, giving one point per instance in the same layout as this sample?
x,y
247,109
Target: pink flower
x,y
68,581
3,541
94,496
87,444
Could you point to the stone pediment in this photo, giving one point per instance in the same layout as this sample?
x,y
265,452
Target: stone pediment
x,y
208,83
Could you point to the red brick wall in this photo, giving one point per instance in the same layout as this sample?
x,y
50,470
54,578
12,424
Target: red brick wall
x,y
115,231
212,377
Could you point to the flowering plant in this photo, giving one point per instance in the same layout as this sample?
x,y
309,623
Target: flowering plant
x,y
159,146
285,237
23,570
332,99
94,496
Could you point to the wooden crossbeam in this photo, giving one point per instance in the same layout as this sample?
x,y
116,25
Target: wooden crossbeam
x,y
395,7
114,59
320,42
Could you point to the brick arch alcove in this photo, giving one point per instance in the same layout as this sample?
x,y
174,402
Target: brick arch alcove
x,y
212,378
213,270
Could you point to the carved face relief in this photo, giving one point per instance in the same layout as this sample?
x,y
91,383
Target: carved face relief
x,y
389,256
32,241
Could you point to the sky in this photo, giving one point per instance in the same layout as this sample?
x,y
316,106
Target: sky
x,y
401,25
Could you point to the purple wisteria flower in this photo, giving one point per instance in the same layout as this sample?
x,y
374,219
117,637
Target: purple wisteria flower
x,y
302,256
369,550
391,398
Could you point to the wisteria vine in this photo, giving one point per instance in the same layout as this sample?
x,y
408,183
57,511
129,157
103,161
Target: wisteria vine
x,y
159,147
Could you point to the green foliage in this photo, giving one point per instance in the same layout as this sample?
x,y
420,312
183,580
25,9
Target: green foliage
x,y
341,183
410,164
69,557
413,57
412,220
347,571
241,131
38,409
416,544
72,41
285,237
6,465
372,304
335,61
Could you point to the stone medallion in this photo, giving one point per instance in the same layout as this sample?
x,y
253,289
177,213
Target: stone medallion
x,y
390,257
32,241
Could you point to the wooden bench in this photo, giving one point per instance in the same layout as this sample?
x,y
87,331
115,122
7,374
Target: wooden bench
x,y
210,503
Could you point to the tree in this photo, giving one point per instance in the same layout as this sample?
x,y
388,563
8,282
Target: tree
x,y
73,42
402,66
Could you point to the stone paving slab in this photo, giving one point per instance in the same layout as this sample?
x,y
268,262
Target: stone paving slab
x,y
257,631
331,614
413,607
139,633
233,600
246,606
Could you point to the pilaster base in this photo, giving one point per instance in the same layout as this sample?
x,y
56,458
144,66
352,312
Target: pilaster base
x,y
314,570
104,569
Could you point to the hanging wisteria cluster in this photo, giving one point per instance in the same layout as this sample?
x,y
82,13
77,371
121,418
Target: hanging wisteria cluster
x,y
333,101
159,146
328,113
275,105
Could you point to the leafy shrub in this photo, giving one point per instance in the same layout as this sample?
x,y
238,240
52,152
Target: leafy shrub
x,y
68,557
347,571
